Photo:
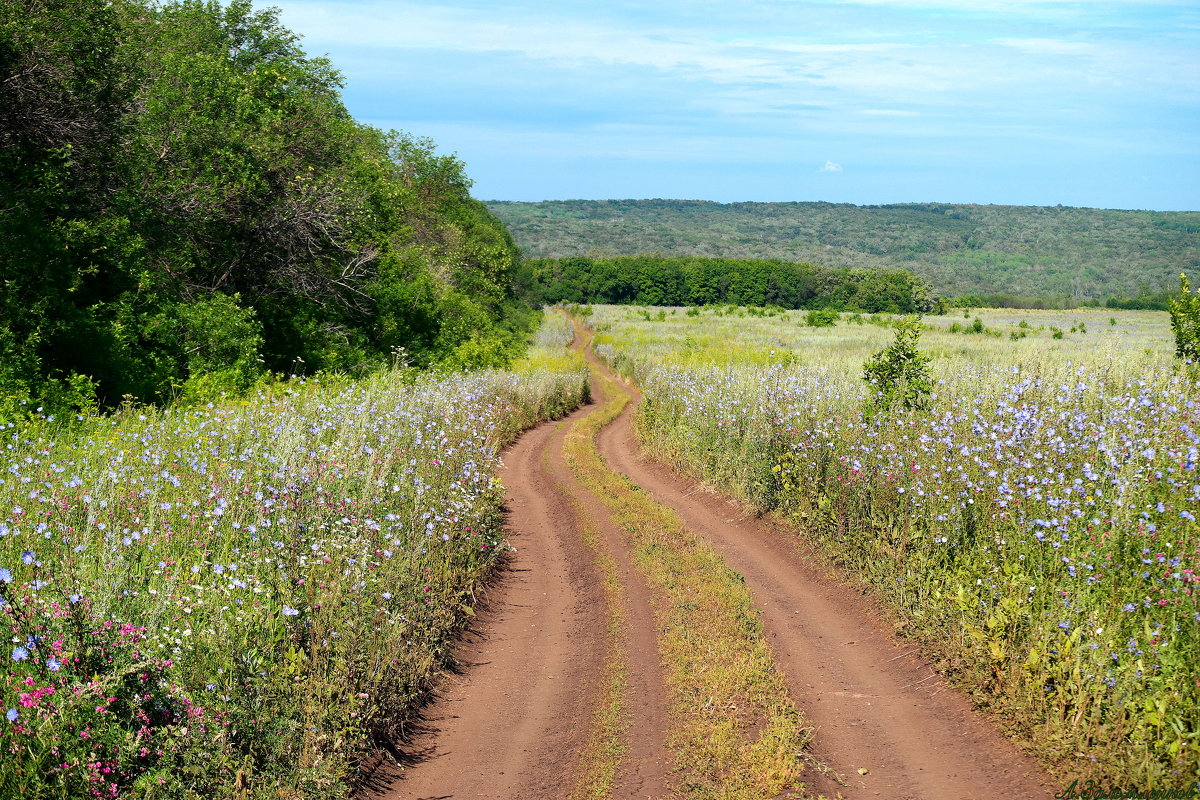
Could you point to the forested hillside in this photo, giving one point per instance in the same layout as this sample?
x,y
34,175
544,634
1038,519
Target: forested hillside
x,y
185,203
1080,253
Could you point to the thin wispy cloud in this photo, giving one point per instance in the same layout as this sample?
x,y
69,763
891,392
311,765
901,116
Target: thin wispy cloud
x,y
743,88
831,166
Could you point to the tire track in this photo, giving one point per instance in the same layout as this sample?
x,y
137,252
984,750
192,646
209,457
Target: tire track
x,y
877,706
645,770
514,721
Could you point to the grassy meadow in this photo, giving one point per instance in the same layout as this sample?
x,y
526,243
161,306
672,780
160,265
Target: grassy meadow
x,y
1035,526
240,599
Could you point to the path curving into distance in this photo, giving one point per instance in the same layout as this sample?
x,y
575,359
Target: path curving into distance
x,y
875,703
518,718
514,721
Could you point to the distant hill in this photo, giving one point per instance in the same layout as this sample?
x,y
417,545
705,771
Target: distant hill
x,y
1083,253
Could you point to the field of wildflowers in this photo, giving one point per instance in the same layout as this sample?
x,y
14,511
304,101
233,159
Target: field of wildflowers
x,y
1036,526
238,599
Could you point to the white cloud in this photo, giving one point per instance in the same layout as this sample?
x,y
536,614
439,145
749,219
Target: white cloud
x,y
780,68
563,39
831,166
1052,47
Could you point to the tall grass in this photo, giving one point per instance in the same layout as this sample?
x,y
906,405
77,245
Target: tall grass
x,y
1037,526
239,600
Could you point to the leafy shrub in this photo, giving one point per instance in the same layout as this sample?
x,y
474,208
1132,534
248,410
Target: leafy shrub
x,y
899,373
1185,321
821,318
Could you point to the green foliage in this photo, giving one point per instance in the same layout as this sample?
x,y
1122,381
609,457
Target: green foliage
x,y
654,280
976,326
1185,322
821,318
1023,256
899,373
1060,626
185,202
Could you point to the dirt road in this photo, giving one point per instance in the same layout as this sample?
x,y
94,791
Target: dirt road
x,y
876,704
514,721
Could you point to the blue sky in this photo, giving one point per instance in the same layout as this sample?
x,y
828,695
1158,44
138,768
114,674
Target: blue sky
x,y
1028,102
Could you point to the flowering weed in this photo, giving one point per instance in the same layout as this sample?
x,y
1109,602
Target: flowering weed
x,y
1036,524
239,599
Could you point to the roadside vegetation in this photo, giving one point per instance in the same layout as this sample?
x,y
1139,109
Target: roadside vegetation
x,y
735,732
244,599
1032,519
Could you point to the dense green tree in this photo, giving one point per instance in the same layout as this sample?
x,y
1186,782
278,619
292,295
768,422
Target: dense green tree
x,y
1185,322
898,374
183,195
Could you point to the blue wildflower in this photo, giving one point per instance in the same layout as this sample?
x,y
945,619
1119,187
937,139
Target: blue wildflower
x,y
27,557
288,611
53,664
19,653
5,575
12,715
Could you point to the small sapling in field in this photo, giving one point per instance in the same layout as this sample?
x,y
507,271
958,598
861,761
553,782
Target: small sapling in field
x,y
1185,322
899,373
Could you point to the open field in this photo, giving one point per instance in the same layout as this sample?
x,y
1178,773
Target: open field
x,y
724,651
1140,340
247,600
240,599
1036,526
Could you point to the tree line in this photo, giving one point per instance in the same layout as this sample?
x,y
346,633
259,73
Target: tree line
x,y
1057,253
186,204
666,281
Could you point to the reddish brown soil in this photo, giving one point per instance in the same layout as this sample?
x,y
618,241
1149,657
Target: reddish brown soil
x,y
513,721
875,703
645,771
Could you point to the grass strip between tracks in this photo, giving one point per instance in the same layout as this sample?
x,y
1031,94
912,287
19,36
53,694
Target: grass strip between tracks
x,y
606,746
736,734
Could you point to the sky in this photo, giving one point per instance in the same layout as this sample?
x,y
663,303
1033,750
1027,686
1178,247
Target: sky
x,y
1016,102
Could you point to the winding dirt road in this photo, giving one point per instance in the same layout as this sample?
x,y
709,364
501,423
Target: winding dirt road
x,y
876,704
513,722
